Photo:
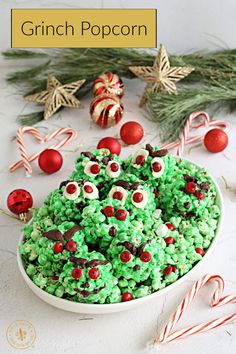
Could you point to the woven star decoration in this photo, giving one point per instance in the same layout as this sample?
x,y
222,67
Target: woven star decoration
x,y
160,77
57,95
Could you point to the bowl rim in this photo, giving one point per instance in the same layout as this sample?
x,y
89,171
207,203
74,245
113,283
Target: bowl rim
x,y
120,306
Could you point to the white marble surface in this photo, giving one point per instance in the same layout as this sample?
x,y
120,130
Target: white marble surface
x,y
128,332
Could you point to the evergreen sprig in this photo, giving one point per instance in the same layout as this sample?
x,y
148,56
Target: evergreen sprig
x,y
215,76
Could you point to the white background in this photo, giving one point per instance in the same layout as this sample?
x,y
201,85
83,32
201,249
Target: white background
x,y
183,26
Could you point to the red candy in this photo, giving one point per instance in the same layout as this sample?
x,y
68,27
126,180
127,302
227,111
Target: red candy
x,y
191,187
58,247
88,189
170,226
127,297
114,167
199,195
71,246
140,160
125,257
95,169
108,211
200,251
76,273
145,257
71,188
118,196
156,167
121,214
169,240
93,273
137,197
168,270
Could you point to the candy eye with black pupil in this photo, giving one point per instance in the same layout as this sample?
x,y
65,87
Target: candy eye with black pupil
x,y
157,167
118,193
71,191
93,273
140,158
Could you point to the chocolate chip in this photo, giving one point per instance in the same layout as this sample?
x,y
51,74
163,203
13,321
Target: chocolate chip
x,y
189,215
101,184
136,267
54,235
79,261
88,154
130,212
86,284
149,148
160,153
190,178
105,160
63,183
145,178
112,231
129,246
95,263
187,205
140,249
205,186
80,205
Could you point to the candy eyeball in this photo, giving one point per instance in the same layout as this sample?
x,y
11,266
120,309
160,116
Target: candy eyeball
x,y
139,198
140,158
92,169
157,166
90,191
118,193
71,191
113,169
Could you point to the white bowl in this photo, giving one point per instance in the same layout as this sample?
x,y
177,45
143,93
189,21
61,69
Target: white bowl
x,y
122,306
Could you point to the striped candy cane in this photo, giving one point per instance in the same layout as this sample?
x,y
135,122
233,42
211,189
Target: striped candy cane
x,y
216,301
184,140
25,158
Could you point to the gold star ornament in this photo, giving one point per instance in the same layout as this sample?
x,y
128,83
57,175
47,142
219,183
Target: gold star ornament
x,y
161,77
57,95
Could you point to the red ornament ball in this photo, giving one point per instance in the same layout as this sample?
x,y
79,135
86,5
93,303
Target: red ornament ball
x,y
106,110
111,144
131,133
19,201
215,140
50,161
108,83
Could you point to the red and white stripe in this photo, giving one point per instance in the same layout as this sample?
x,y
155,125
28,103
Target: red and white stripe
x,y
25,158
185,139
108,83
106,110
217,300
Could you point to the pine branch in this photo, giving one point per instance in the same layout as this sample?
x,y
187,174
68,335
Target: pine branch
x,y
172,111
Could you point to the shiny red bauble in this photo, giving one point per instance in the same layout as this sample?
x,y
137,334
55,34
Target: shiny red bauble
x,y
19,201
131,133
215,140
111,144
50,161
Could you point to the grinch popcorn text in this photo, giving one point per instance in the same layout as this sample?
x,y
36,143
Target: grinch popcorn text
x,y
85,28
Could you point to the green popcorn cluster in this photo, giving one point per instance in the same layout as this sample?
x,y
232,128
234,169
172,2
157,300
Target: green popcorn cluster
x,y
121,227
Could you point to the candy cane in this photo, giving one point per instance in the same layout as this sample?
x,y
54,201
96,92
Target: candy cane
x,y
216,301
26,159
184,140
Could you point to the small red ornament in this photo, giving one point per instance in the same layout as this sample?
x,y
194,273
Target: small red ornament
x,y
19,201
121,214
58,247
108,211
145,257
108,83
191,187
131,133
106,110
50,161
125,257
111,144
127,297
93,273
76,273
215,140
